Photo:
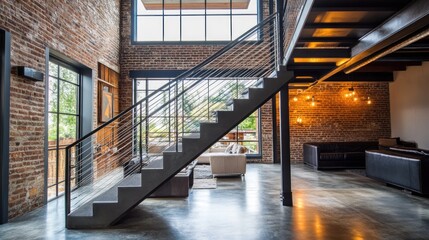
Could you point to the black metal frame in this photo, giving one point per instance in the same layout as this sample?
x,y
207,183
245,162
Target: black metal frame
x,y
4,123
134,16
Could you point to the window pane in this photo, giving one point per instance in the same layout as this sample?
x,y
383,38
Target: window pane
x,y
151,7
155,85
149,28
52,129
141,84
69,75
67,129
53,95
218,7
172,7
193,7
53,69
172,28
140,95
239,7
218,28
68,98
241,24
193,28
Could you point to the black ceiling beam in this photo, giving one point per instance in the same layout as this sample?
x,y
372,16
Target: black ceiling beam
x,y
352,25
367,6
321,53
362,77
401,27
328,39
311,66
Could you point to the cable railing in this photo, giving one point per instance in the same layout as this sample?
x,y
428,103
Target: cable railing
x,y
139,135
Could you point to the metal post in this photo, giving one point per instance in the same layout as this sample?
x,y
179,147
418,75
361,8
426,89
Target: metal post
x,y
4,123
67,193
141,138
280,30
286,194
176,113
274,125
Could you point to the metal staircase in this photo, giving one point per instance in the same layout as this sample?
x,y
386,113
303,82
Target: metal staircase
x,y
220,93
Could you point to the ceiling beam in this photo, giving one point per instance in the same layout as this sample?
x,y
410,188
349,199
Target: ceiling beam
x,y
328,39
352,25
362,77
373,5
321,53
410,56
402,26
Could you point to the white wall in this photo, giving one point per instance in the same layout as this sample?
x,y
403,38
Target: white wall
x,y
409,105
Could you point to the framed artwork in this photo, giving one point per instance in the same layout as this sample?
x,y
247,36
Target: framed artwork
x,y
105,105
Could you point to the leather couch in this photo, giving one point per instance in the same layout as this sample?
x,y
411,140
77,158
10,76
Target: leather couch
x,y
334,155
403,167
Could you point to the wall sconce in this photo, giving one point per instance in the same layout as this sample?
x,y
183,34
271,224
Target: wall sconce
x,y
299,120
313,102
368,101
351,92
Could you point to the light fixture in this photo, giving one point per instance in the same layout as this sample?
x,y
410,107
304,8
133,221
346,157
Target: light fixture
x,y
368,101
295,99
299,120
313,102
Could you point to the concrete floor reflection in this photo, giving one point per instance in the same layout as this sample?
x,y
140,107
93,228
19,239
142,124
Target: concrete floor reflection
x,y
327,205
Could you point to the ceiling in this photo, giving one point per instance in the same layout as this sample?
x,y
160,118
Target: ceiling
x,y
357,40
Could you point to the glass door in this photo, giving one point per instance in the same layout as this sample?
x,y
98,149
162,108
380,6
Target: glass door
x,y
63,129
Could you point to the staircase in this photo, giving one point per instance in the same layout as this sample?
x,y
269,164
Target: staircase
x,y
220,93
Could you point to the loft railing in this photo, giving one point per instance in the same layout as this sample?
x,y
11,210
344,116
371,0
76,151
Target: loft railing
x,y
95,162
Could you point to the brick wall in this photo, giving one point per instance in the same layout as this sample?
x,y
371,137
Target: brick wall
x,y
338,118
86,31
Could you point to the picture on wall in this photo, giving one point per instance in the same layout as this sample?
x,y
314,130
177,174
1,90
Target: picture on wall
x,y
106,106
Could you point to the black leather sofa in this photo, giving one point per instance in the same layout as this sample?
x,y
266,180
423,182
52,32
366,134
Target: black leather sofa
x,y
334,155
403,167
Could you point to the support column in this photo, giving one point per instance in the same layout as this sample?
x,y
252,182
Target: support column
x,y
4,123
286,194
276,158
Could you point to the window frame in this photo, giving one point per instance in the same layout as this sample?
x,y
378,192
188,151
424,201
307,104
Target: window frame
x,y
134,41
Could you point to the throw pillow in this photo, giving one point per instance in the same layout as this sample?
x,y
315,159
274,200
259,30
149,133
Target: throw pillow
x,y
242,149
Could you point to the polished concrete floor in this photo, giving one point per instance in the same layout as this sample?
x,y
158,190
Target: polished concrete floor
x,y
327,205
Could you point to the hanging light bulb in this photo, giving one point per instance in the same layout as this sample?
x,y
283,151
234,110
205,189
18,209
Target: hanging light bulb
x,y
295,99
355,99
299,120
368,101
313,103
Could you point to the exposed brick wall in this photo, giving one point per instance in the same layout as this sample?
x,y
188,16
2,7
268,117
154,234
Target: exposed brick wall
x,y
86,31
337,118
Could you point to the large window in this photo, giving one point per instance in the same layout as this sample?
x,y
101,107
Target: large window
x,y
193,20
198,106
63,115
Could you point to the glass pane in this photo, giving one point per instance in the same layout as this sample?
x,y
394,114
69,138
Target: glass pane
x,y
53,94
141,84
61,166
53,69
240,24
149,8
52,164
218,7
52,193
172,7
52,129
218,28
149,28
140,95
68,98
156,84
193,28
172,28
252,147
193,7
241,7
67,129
69,75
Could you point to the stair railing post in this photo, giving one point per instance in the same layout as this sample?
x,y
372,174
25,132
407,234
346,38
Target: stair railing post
x,y
67,193
141,137
280,31
176,112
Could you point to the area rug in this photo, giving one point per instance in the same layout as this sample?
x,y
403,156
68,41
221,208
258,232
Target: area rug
x,y
204,183
203,172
